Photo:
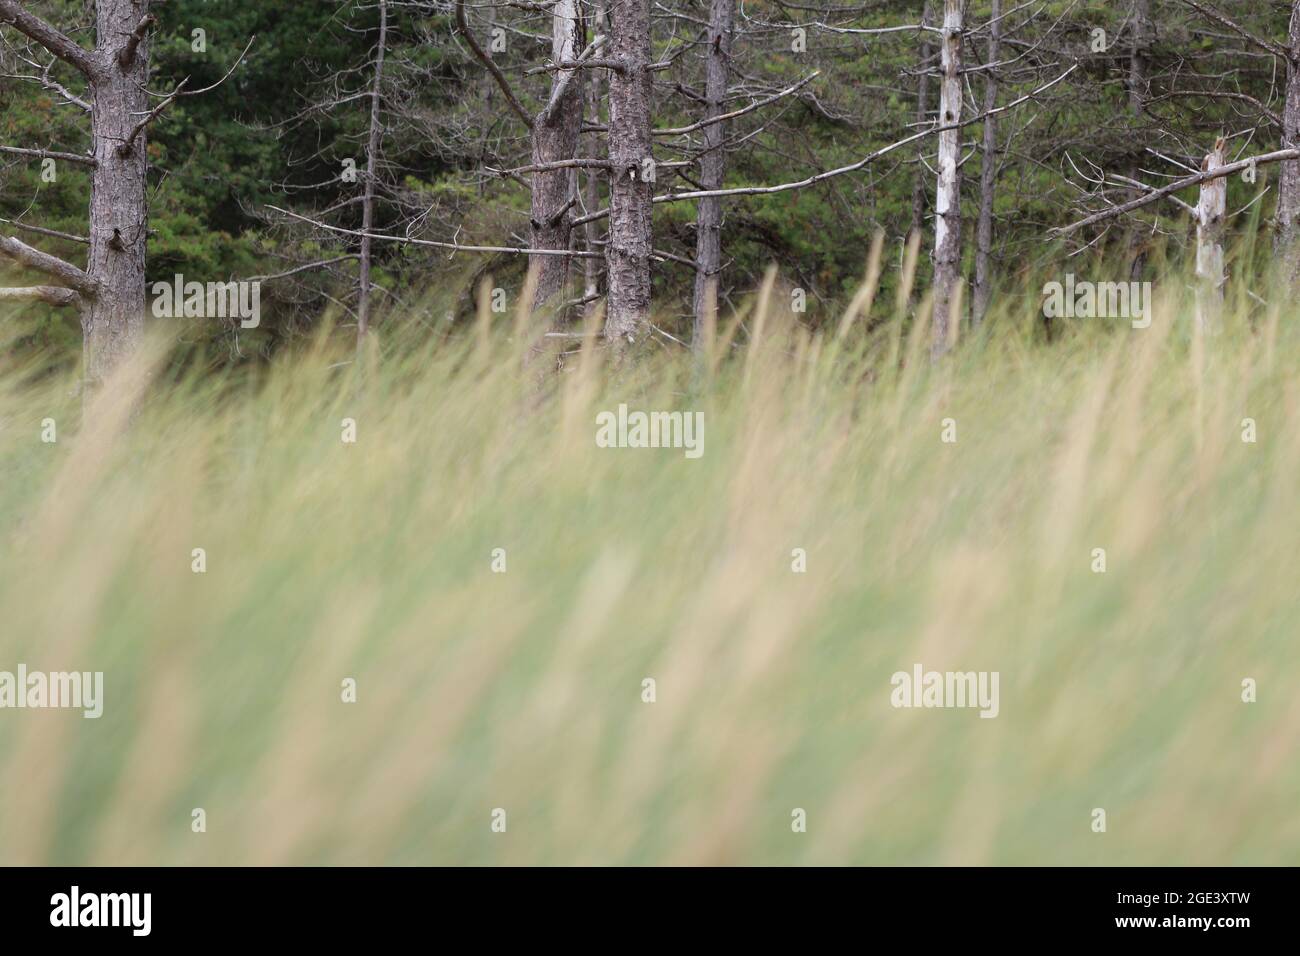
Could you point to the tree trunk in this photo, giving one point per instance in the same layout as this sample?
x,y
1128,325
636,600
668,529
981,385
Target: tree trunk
x,y
947,202
988,177
1210,212
372,163
627,254
708,217
1137,97
556,132
921,184
591,187
113,320
1288,197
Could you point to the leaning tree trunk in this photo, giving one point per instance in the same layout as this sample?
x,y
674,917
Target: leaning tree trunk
x,y
988,176
708,217
1211,209
113,319
627,253
947,202
1288,197
556,132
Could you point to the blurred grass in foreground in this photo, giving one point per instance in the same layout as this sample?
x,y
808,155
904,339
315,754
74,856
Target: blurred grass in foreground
x,y
522,690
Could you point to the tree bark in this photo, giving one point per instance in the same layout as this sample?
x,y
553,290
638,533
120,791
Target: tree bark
x,y
627,253
988,177
556,131
1210,212
1288,198
591,185
921,184
947,203
372,164
708,217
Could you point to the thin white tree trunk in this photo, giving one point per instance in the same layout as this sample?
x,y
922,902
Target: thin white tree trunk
x,y
1210,212
947,203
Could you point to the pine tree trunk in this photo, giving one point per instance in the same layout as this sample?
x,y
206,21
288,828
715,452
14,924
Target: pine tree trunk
x,y
708,218
113,321
627,254
556,132
1288,198
372,164
988,177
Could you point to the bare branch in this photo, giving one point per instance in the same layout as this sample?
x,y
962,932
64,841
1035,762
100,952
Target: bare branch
x,y
49,294
125,146
127,55
1277,156
1267,46
680,130
66,272
57,42
304,268
52,233
81,158
463,26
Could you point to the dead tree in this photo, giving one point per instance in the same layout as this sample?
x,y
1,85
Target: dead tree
x,y
631,176
109,293
947,202
988,176
1210,212
708,217
1288,197
372,163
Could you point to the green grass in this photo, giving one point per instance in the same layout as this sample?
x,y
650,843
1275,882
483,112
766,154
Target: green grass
x,y
522,690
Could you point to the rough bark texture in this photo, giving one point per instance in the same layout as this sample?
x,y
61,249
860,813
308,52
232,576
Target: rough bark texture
x,y
922,183
591,186
627,254
988,178
708,217
556,132
1211,210
947,201
372,164
1288,197
1138,89
113,323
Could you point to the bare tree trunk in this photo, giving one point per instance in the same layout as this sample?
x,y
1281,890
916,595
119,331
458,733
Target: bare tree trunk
x,y
556,132
591,187
372,164
947,202
110,292
631,177
921,185
119,215
1137,97
988,176
1288,197
1210,212
708,218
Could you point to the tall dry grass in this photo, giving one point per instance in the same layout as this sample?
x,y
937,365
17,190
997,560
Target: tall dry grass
x,y
523,690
